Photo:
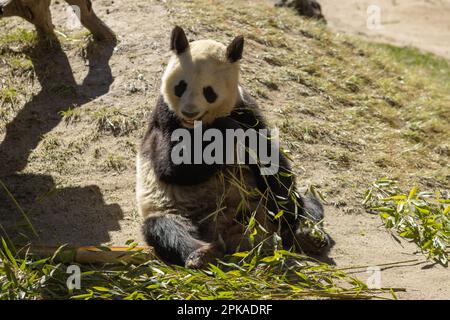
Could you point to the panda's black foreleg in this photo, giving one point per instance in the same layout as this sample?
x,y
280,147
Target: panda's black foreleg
x,y
310,236
300,223
174,239
313,208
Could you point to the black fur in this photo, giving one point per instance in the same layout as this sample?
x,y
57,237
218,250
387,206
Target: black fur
x,y
313,208
282,195
178,42
282,183
157,145
172,237
235,49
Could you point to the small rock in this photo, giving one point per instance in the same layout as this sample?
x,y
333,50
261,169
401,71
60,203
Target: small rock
x,y
307,8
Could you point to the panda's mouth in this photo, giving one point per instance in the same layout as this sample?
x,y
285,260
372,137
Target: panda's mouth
x,y
190,122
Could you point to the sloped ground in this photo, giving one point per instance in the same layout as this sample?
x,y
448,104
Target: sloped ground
x,y
349,113
419,23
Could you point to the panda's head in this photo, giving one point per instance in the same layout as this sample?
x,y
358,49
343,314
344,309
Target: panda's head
x,y
201,82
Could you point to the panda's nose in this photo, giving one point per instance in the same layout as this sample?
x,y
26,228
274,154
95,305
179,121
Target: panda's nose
x,y
188,114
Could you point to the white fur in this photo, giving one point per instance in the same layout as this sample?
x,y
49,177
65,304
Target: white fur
x,y
203,64
150,193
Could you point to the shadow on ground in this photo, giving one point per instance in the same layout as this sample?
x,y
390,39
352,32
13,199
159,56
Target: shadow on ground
x,y
59,215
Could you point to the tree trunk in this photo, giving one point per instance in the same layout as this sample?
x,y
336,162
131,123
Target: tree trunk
x,y
35,11
90,20
38,13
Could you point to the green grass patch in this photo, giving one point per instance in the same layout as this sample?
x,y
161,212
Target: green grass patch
x,y
414,58
18,36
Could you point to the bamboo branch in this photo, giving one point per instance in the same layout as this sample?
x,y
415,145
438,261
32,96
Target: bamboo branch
x,y
91,254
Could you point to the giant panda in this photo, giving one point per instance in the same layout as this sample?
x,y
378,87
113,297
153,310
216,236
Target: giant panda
x,y
195,213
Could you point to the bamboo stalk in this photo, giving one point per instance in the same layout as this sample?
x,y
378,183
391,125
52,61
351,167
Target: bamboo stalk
x,y
395,263
91,254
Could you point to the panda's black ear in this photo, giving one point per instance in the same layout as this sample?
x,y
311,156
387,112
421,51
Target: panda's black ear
x,y
178,42
235,49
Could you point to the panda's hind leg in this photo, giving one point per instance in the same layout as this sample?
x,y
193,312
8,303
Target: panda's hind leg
x,y
175,241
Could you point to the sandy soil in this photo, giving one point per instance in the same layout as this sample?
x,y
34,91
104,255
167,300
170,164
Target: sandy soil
x,y
94,206
424,24
362,241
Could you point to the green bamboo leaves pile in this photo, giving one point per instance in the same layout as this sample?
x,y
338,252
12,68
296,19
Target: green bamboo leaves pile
x,y
420,217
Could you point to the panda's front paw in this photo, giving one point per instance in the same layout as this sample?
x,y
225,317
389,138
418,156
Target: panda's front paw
x,y
202,257
312,240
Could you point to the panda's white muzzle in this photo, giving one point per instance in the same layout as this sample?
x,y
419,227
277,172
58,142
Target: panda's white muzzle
x,y
189,114
188,119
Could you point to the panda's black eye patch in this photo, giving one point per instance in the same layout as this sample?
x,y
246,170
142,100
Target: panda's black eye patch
x,y
209,94
180,88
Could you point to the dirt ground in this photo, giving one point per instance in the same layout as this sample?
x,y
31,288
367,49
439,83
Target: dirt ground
x,y
423,24
95,205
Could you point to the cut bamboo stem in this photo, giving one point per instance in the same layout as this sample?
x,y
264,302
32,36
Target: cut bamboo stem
x,y
91,254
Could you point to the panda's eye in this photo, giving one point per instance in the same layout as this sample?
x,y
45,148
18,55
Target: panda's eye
x,y
209,94
180,88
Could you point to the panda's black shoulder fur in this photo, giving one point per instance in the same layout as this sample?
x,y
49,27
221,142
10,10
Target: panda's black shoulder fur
x,y
157,147
247,113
